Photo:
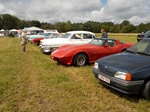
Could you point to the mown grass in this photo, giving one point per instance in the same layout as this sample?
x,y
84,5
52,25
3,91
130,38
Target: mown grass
x,y
32,82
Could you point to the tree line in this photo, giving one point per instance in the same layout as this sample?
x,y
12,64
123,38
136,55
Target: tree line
x,y
9,22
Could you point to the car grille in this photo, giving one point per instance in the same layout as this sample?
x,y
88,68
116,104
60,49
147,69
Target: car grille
x,y
105,70
140,36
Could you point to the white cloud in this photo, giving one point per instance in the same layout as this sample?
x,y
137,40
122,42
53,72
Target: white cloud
x,y
127,10
136,11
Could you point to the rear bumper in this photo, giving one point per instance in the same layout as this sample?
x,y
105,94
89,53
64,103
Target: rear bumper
x,y
126,87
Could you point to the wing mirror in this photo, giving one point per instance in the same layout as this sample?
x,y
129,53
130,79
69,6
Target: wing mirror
x,y
106,45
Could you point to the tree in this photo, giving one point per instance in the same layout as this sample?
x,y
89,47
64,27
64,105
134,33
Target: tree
x,y
9,22
35,23
141,28
115,28
125,23
22,24
68,26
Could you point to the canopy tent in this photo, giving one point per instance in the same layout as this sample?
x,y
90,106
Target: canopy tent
x,y
2,30
33,28
13,30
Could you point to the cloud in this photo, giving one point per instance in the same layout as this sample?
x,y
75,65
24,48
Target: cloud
x,y
52,11
127,10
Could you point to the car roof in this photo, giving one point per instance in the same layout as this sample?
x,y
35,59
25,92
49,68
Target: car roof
x,y
80,32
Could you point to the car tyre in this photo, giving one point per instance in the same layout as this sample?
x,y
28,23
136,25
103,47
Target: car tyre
x,y
80,59
38,43
146,90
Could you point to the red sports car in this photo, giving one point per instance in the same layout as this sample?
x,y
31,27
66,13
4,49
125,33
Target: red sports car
x,y
79,55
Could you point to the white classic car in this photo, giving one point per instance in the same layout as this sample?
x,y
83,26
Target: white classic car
x,y
71,37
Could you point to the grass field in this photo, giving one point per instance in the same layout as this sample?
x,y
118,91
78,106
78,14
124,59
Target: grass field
x,y
32,82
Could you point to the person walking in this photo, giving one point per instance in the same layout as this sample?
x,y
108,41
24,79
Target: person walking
x,y
24,40
104,34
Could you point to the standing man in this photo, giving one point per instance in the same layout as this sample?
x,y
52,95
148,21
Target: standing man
x,y
104,34
23,40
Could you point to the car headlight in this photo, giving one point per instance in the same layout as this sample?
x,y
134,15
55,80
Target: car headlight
x,y
96,65
123,75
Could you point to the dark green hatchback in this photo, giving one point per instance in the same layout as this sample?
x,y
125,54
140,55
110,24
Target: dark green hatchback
x,y
127,72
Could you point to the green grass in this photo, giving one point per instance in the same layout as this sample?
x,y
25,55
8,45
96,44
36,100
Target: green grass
x,y
32,82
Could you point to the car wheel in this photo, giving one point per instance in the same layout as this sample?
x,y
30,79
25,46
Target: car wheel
x,y
38,43
146,90
80,59
53,49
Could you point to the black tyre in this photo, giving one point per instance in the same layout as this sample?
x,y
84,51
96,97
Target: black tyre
x,y
146,90
80,59
38,43
53,49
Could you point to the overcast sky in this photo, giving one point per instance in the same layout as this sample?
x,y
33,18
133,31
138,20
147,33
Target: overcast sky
x,y
77,11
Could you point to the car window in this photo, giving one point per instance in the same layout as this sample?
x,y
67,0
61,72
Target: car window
x,y
76,36
67,35
87,36
111,42
148,32
98,42
139,47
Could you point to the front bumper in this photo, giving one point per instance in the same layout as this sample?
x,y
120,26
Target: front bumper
x,y
126,87
63,60
45,49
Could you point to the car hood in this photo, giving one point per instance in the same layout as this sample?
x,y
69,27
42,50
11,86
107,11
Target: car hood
x,y
72,48
53,40
126,62
69,47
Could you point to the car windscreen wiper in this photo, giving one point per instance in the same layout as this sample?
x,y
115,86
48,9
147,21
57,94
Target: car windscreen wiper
x,y
130,51
143,53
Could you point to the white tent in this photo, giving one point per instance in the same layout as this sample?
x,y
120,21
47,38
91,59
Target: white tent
x,y
33,28
2,30
13,30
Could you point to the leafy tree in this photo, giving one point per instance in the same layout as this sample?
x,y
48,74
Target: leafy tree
x,y
9,22
60,26
125,23
75,26
22,24
115,28
68,26
35,23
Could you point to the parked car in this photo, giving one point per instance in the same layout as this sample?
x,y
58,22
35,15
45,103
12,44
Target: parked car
x,y
40,35
79,55
36,41
143,35
127,72
71,37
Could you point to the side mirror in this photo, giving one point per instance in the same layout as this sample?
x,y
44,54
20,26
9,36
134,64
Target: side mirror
x,y
106,45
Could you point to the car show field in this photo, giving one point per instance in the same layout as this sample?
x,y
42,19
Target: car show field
x,y
33,82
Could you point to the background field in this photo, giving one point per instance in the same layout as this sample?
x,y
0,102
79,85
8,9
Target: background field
x,y
32,82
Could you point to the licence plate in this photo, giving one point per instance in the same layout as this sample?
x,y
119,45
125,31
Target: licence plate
x,y
104,79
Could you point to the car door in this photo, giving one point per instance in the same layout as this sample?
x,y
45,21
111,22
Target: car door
x,y
109,47
76,39
87,38
113,47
